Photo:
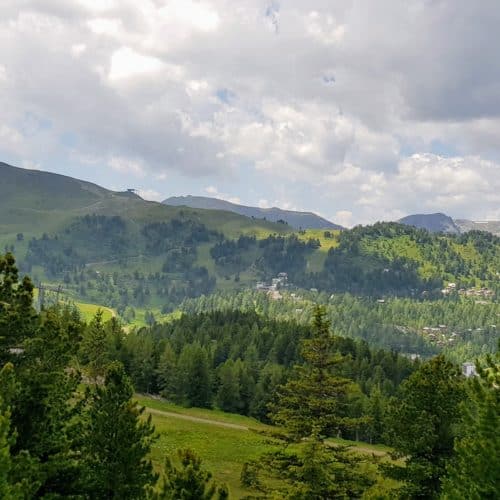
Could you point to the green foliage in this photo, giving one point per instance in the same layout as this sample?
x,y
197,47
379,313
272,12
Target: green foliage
x,y
93,347
195,385
188,480
312,405
396,324
474,473
315,397
116,441
422,426
7,489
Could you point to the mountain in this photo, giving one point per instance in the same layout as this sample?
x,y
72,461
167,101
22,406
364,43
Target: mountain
x,y
434,223
118,250
34,202
298,220
491,226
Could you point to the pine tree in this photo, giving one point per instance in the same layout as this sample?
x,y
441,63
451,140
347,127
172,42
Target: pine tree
x,y
7,391
315,397
422,426
94,347
312,406
116,441
17,316
167,373
188,480
194,376
475,471
228,393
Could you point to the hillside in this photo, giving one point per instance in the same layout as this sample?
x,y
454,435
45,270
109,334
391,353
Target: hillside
x,y
298,220
126,253
491,226
33,201
434,223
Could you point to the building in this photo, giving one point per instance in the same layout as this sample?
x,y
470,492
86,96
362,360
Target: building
x,y
469,370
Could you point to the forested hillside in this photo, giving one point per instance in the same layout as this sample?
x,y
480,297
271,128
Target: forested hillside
x,y
463,328
120,251
69,427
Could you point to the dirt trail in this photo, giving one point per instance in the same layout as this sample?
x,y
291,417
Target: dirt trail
x,y
200,420
227,425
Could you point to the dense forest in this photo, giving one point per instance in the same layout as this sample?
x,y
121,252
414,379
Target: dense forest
x,y
460,327
69,426
113,261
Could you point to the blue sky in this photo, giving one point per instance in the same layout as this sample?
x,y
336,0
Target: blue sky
x,y
357,110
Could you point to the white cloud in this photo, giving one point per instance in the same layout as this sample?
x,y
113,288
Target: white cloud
x,y
318,103
150,194
127,166
126,62
214,193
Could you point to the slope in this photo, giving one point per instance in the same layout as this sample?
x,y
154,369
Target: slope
x,y
298,220
434,223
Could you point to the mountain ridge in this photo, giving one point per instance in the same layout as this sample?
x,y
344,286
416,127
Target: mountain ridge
x,y
442,223
296,219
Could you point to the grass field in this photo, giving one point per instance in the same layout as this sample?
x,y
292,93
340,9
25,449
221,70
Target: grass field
x,y
226,441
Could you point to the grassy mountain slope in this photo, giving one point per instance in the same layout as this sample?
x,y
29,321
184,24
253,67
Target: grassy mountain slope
x,y
122,251
33,201
298,220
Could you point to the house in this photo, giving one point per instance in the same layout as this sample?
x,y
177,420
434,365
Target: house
x,y
469,370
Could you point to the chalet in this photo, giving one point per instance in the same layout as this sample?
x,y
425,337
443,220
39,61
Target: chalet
x,y
469,370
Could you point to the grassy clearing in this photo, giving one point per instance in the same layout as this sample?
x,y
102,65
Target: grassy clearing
x,y
224,450
88,311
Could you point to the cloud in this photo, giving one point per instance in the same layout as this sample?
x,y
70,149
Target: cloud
x,y
127,166
214,193
150,194
337,106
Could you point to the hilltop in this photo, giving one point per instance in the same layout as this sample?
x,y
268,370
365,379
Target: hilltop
x,y
33,201
298,220
434,223
442,223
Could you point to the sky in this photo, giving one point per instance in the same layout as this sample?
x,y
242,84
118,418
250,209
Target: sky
x,y
358,110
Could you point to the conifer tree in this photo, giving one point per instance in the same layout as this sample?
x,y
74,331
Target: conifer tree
x,y
167,372
312,406
7,390
422,425
315,397
116,441
228,394
94,347
475,471
188,480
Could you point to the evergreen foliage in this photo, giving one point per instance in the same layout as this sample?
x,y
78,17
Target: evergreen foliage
x,y
116,440
312,406
187,480
475,471
422,425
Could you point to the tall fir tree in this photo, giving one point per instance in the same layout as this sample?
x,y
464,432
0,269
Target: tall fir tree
x,y
94,347
116,441
421,426
311,406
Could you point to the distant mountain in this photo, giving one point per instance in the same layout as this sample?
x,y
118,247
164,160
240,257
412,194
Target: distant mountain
x,y
434,223
36,202
304,220
492,226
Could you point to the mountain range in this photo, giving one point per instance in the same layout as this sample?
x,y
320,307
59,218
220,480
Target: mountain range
x,y
297,220
442,223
